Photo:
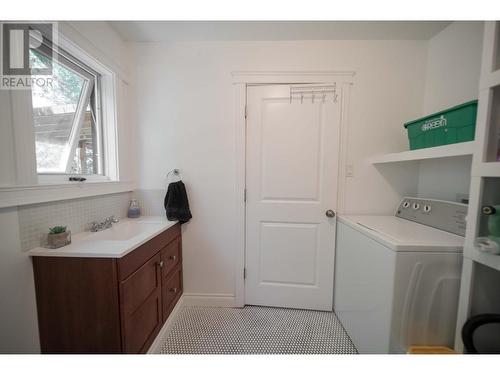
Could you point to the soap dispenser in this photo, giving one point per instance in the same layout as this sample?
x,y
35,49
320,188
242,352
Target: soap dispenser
x,y
134,211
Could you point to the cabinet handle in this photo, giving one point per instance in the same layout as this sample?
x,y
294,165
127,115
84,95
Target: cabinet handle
x,y
173,290
160,264
173,257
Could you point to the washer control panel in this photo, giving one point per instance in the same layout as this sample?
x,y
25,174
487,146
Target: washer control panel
x,y
444,215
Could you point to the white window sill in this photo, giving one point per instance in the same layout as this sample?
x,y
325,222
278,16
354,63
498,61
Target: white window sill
x,y
23,195
63,178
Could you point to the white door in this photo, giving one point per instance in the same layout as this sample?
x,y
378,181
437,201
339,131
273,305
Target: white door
x,y
291,181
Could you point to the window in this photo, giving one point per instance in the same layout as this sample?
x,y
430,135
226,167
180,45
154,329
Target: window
x,y
67,116
64,129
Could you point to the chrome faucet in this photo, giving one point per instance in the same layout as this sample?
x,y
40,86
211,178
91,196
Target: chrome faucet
x,y
107,223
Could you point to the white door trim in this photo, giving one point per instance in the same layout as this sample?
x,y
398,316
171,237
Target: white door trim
x,y
242,79
256,77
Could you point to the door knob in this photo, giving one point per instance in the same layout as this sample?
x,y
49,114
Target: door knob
x,y
330,213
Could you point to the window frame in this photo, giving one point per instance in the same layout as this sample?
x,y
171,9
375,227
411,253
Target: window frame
x,y
90,86
107,141
23,185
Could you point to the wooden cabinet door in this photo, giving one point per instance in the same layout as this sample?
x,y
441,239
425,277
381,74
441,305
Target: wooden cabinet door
x,y
141,310
78,305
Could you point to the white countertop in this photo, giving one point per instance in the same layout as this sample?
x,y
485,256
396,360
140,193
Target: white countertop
x,y
403,235
115,242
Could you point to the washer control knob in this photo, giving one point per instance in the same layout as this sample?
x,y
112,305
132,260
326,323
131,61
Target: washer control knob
x,y
406,204
427,208
416,206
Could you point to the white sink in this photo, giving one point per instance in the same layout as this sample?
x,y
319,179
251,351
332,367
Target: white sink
x,y
124,231
114,242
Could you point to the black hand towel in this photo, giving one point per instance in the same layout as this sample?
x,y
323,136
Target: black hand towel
x,y
176,202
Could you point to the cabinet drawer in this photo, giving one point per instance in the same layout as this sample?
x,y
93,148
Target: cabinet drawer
x,y
171,257
141,310
171,291
133,260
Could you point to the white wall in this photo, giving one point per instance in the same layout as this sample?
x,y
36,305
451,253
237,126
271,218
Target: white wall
x,y
186,120
7,159
18,321
453,66
444,178
452,78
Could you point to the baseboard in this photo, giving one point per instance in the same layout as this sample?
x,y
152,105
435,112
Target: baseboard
x,y
213,300
156,346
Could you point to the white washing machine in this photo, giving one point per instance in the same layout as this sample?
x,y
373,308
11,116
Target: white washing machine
x,y
397,278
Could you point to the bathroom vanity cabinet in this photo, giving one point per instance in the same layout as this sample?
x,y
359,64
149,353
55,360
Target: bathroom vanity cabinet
x,y
108,305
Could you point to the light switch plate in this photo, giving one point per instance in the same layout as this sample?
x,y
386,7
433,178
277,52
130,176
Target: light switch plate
x,y
349,170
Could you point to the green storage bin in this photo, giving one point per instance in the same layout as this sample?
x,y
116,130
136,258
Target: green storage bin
x,y
453,125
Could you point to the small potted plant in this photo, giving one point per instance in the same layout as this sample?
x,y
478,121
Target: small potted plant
x,y
58,237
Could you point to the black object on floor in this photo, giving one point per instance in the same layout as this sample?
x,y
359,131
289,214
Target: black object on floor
x,y
488,340
176,202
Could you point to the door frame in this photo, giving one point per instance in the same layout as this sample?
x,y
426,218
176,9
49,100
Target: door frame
x,y
241,80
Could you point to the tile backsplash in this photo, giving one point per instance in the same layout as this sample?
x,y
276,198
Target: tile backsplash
x,y
35,220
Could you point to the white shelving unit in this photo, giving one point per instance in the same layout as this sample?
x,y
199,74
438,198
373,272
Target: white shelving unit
x,y
491,79
486,169
490,260
485,174
457,149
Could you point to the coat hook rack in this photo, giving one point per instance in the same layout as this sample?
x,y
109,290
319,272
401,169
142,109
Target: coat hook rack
x,y
313,91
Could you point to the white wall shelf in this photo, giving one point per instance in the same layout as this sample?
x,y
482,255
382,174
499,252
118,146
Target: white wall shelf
x,y
491,80
486,169
489,260
456,149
